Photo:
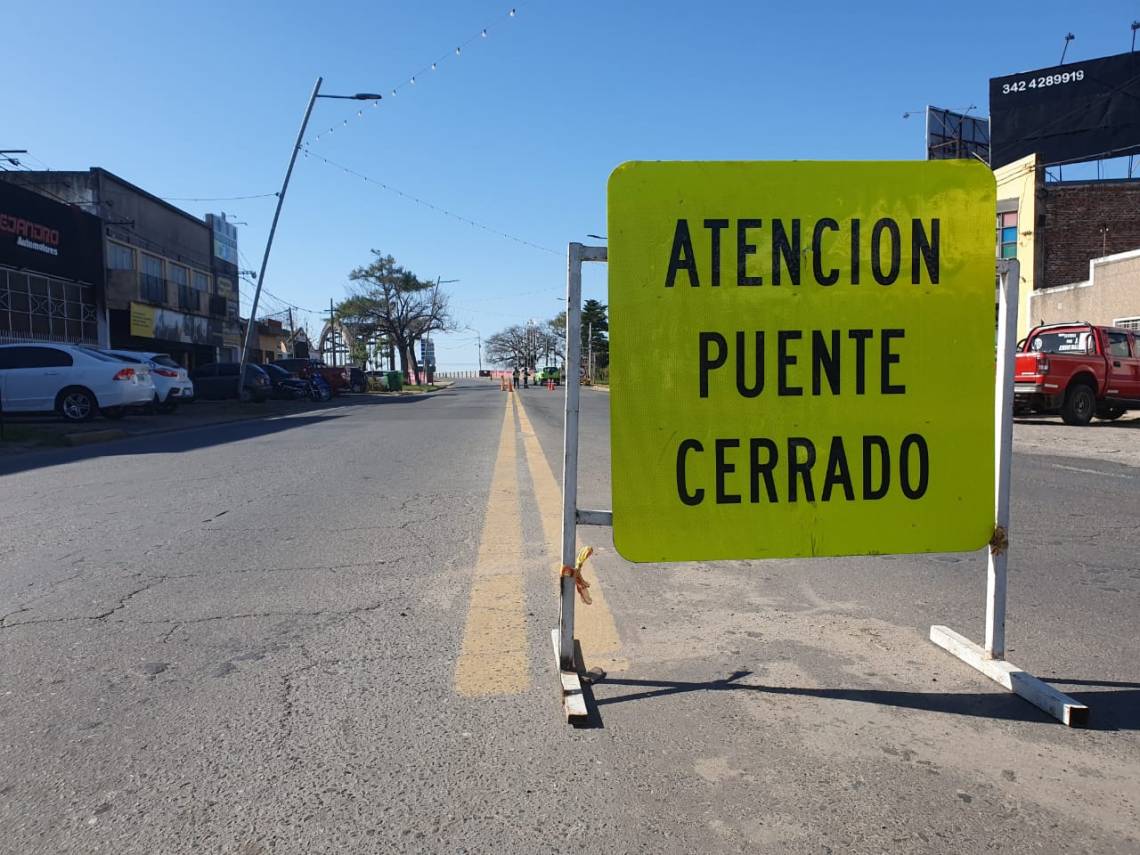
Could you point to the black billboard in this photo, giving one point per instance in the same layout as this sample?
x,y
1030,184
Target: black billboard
x,y
49,237
1079,111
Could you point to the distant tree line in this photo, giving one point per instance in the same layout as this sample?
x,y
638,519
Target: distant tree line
x,y
537,344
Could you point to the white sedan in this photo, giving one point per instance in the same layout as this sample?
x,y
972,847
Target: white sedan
x,y
171,382
76,382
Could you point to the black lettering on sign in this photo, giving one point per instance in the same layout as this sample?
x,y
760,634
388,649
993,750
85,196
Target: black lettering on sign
x,y
785,360
860,337
723,468
682,256
928,249
762,470
892,228
787,250
708,361
832,276
825,360
888,359
838,472
909,490
742,386
716,226
800,469
870,492
855,251
698,495
745,249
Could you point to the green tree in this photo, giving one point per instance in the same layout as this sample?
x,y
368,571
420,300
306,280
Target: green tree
x,y
390,300
595,318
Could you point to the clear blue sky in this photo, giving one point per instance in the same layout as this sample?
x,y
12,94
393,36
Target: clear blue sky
x,y
520,132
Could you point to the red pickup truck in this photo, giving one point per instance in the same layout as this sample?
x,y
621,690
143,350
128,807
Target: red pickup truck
x,y
1078,369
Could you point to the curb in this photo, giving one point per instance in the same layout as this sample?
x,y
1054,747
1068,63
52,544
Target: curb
x,y
94,436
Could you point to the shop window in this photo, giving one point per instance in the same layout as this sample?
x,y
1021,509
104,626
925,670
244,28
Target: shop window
x,y
120,257
152,285
1007,234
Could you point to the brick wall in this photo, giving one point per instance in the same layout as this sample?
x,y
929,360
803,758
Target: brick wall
x,y
1071,218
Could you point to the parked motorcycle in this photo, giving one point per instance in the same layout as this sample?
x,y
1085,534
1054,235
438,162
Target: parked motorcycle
x,y
319,388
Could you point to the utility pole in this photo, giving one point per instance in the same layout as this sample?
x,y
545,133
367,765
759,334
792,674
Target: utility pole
x,y
590,351
292,335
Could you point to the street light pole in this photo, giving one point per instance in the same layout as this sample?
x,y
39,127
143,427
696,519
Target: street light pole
x,y
269,242
362,96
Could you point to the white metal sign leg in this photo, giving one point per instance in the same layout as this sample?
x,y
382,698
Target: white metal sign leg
x,y
990,659
573,702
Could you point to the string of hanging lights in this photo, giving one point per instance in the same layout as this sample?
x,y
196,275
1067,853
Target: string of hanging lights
x,y
425,70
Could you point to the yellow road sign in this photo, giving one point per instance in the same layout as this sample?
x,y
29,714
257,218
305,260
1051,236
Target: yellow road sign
x,y
802,358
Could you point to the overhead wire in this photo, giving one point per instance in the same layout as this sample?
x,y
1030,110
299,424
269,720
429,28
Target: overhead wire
x,y
215,198
426,204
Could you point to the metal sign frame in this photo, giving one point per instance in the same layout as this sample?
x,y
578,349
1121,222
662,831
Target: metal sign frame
x,y
990,659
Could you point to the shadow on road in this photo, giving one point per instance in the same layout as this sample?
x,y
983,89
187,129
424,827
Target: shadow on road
x,y
1046,421
191,437
1109,710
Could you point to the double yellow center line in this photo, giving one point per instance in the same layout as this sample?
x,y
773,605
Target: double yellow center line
x,y
495,655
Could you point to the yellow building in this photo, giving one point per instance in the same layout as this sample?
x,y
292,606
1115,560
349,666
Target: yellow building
x,y
1019,187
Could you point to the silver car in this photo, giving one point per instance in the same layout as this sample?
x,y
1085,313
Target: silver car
x,y
171,382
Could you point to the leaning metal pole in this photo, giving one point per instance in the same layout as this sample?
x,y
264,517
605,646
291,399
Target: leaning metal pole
x,y
252,324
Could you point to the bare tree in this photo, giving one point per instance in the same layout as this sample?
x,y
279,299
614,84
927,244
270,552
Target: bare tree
x,y
507,347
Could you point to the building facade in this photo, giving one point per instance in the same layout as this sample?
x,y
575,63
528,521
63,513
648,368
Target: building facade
x,y
1057,229
225,262
161,278
51,271
1109,295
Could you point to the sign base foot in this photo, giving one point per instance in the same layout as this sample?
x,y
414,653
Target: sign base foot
x,y
570,685
1039,693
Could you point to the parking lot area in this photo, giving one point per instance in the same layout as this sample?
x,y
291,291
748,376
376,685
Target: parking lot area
x,y
1104,442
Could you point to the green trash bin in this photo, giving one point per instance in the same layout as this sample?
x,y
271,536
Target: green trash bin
x,y
395,381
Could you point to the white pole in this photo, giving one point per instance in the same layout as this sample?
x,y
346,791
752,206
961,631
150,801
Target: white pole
x,y
1010,280
570,454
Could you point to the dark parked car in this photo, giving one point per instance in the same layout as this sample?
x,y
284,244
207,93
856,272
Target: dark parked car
x,y
219,380
286,385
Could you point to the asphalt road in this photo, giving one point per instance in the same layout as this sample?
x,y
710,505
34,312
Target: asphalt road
x,y
329,632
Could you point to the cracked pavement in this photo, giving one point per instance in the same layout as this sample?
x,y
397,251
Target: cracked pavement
x,y
241,640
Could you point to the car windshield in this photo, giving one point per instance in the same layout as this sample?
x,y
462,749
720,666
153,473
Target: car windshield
x,y
1068,341
277,371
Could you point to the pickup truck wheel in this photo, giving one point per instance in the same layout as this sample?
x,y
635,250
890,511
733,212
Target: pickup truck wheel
x,y
1110,414
1079,406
